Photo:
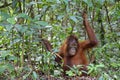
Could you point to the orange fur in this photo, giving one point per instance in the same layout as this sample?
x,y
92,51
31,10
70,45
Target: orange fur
x,y
79,58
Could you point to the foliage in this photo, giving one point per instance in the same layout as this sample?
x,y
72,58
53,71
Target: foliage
x,y
94,70
24,23
74,71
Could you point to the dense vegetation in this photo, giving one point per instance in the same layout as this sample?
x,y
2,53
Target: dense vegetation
x,y
24,23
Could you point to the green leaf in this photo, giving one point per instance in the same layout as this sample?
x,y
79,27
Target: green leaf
x,y
99,66
24,15
57,72
35,75
14,41
90,70
70,73
21,28
10,67
60,17
88,2
11,57
42,23
2,68
4,16
101,78
8,27
73,18
4,53
33,2
66,1
11,20
101,1
1,28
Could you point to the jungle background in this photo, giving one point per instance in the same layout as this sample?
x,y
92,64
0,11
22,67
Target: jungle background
x,y
25,23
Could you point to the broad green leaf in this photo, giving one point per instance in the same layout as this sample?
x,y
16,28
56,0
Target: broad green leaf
x,y
4,16
24,15
21,28
11,20
42,23
36,17
4,53
24,29
8,27
35,75
11,57
3,68
10,67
